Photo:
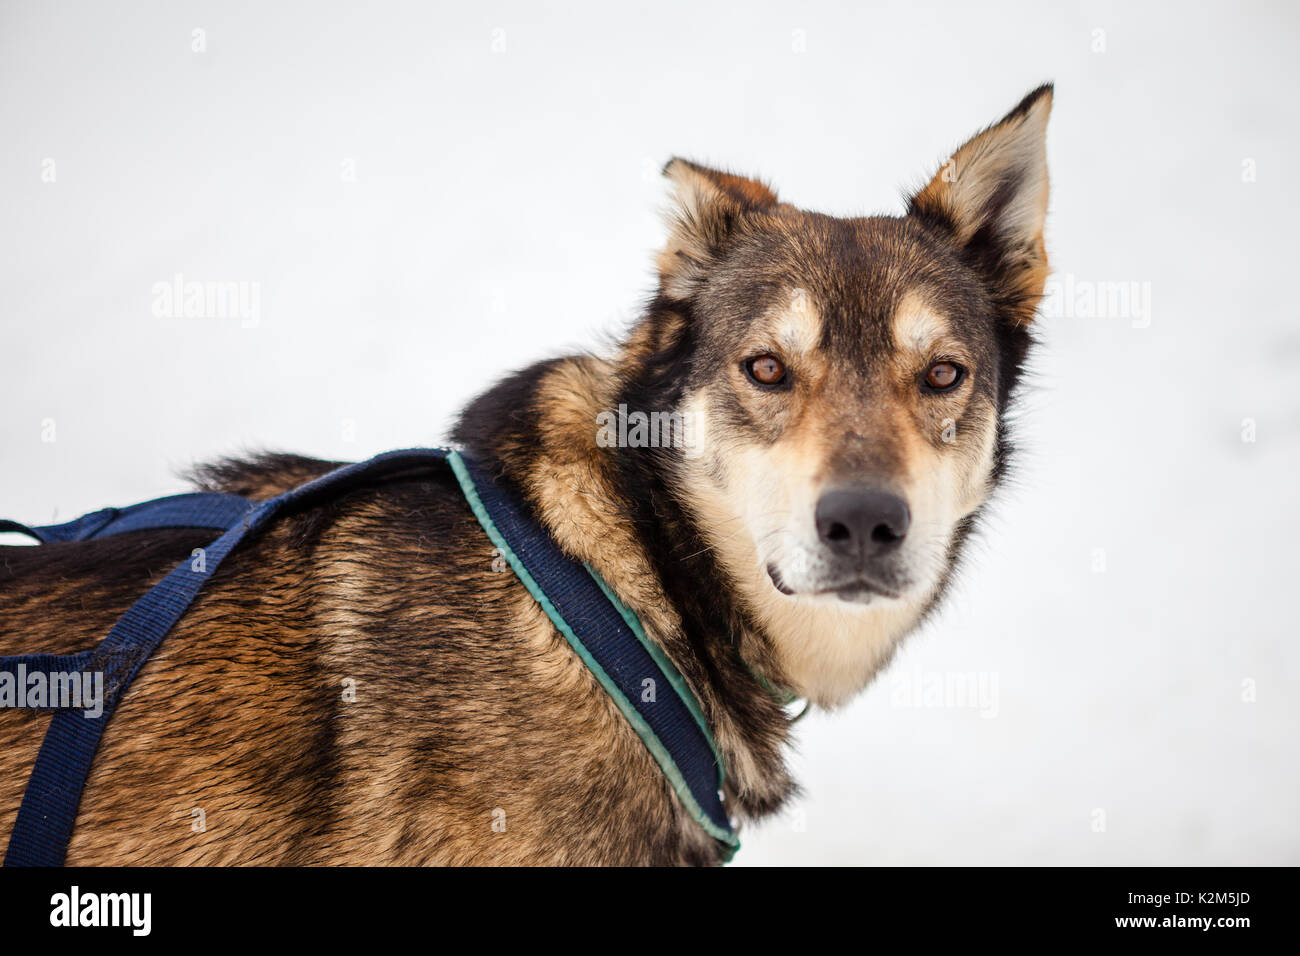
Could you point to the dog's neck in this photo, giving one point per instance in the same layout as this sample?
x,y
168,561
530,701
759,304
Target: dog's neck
x,y
614,508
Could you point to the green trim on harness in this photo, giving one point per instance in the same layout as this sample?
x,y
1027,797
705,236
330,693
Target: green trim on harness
x,y
643,730
668,667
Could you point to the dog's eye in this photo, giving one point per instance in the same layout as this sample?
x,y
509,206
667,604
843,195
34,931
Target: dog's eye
x,y
944,376
767,371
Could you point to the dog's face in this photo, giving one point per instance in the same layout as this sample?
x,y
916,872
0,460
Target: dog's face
x,y
849,376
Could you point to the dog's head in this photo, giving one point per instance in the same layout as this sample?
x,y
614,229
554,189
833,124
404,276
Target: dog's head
x,y
848,380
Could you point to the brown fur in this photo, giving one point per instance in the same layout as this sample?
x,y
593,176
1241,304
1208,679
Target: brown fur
x,y
241,713
470,710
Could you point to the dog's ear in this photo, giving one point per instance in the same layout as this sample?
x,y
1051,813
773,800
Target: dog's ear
x,y
709,206
991,198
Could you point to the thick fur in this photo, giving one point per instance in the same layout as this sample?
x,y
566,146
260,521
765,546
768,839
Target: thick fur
x,y
364,682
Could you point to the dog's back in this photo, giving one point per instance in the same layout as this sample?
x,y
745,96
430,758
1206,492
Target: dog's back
x,y
365,682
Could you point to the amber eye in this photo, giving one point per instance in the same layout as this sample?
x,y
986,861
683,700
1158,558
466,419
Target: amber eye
x,y
767,371
942,376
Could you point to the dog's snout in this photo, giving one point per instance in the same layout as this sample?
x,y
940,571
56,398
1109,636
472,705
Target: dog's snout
x,y
862,521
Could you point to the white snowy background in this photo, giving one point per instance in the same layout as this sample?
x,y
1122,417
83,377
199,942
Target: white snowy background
x,y
430,195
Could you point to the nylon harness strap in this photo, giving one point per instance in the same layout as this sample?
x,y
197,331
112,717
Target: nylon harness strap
x,y
643,683
218,512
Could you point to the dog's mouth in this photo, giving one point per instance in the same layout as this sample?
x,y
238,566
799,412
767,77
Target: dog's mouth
x,y
858,590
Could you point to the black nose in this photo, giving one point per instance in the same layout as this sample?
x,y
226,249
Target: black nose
x,y
861,521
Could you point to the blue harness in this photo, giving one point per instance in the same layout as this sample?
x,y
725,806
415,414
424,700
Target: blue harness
x,y
601,630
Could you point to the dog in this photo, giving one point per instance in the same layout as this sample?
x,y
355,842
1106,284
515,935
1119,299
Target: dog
x,y
361,684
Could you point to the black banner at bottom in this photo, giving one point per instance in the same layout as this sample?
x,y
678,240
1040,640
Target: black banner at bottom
x,y
1172,906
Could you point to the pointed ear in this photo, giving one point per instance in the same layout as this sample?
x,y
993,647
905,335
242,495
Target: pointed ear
x,y
709,207
991,197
